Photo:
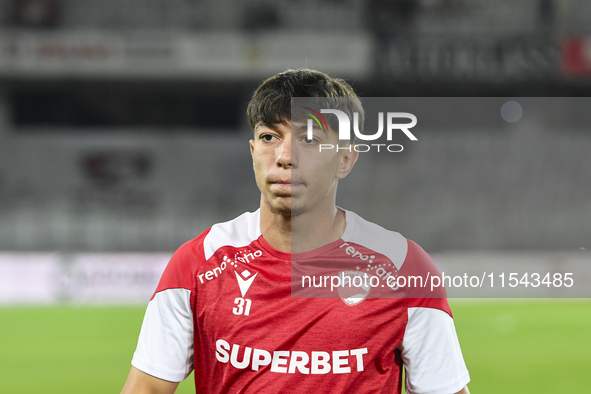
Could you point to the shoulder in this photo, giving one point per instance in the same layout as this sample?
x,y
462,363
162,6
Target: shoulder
x,y
410,260
238,232
189,257
400,250
376,238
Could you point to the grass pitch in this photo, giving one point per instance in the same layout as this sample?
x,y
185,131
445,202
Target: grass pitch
x,y
525,346
68,350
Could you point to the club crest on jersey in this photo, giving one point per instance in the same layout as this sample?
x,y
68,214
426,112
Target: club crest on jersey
x,y
354,286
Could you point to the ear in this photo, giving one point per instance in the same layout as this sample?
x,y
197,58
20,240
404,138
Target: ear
x,y
251,143
347,161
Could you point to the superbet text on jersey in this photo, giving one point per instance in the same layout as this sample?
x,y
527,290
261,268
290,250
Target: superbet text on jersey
x,y
224,308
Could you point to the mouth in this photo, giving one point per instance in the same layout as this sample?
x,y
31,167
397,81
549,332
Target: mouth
x,y
282,185
285,186
288,182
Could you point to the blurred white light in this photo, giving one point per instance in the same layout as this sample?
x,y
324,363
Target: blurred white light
x,y
511,111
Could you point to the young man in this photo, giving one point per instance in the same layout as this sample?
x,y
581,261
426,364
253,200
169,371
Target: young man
x,y
224,306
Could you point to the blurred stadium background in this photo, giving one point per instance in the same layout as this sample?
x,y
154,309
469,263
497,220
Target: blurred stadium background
x,y
123,134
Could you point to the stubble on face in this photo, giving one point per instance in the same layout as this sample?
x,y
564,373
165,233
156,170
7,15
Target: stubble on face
x,y
284,205
286,212
281,210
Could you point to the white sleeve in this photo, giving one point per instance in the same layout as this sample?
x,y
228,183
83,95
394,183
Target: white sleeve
x,y
431,353
165,345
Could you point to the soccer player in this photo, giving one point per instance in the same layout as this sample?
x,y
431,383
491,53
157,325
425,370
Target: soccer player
x,y
224,306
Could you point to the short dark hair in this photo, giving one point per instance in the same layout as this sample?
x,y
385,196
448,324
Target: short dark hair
x,y
271,102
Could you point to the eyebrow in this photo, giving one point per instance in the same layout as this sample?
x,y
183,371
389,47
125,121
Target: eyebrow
x,y
295,127
305,128
263,124
271,126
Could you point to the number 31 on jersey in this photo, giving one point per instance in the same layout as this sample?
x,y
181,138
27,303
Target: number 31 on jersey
x,y
242,306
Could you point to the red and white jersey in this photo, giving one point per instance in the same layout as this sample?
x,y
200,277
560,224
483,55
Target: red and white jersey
x,y
224,308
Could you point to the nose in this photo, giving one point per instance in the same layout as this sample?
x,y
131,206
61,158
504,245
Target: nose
x,y
285,158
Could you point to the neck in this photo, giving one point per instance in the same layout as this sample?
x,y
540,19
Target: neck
x,y
305,232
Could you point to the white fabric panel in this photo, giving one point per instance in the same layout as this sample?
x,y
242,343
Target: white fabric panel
x,y
233,233
165,345
431,353
389,243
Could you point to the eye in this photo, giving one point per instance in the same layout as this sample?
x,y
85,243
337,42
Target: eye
x,y
267,137
309,141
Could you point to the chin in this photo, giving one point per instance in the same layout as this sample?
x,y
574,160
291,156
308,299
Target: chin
x,y
297,210
280,209
286,207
